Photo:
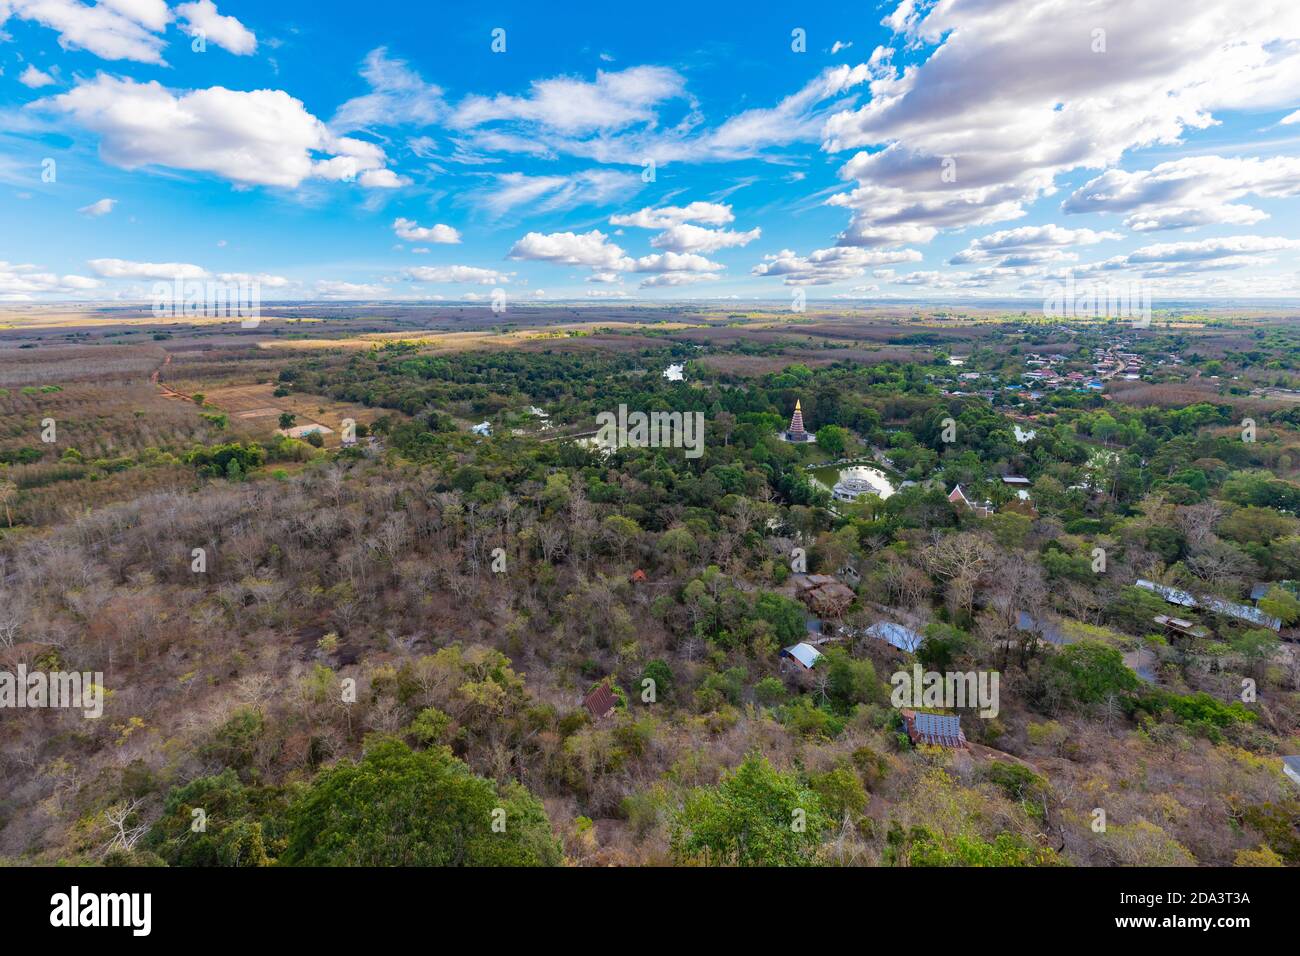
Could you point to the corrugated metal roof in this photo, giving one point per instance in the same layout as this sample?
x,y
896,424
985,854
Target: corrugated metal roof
x,y
1218,605
937,729
904,638
805,654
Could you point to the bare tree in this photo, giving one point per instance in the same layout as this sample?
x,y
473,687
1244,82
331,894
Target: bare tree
x,y
118,819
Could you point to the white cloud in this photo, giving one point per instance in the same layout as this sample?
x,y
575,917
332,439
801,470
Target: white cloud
x,y
674,262
103,29
409,230
1189,192
398,95
615,119
572,106
381,179
22,282
148,13
840,45
261,278
825,266
550,193
708,213
127,269
33,78
606,260
1172,258
677,278
332,289
202,17
592,249
686,237
100,207
1014,94
680,232
1028,245
262,137
468,274
796,118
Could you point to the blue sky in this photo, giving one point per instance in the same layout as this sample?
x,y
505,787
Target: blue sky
x,y
388,152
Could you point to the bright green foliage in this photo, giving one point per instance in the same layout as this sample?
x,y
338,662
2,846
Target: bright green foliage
x,y
236,825
1282,604
832,439
931,849
783,615
399,807
756,816
841,792
1088,672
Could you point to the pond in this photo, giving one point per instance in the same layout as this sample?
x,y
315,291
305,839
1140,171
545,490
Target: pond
x,y
854,482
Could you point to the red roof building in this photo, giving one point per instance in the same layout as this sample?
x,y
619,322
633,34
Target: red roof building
x,y
600,701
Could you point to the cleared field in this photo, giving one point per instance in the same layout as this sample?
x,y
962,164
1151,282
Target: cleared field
x,y
256,405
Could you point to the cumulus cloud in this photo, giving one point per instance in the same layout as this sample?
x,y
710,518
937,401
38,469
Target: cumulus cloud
x,y
607,260
824,266
33,79
100,207
465,274
127,269
592,249
261,137
1172,258
1028,245
664,217
409,230
680,230
677,278
1047,100
25,282
202,19
674,262
686,237
119,30
148,13
1190,192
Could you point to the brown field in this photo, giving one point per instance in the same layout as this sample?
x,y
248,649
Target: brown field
x,y
1182,394
256,405
814,358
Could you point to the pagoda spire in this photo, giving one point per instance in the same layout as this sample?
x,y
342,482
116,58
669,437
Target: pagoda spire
x,y
796,423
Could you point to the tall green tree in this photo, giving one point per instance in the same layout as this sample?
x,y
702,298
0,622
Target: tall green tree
x,y
399,807
756,816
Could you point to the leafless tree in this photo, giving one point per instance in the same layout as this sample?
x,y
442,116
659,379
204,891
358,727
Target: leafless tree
x,y
124,834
